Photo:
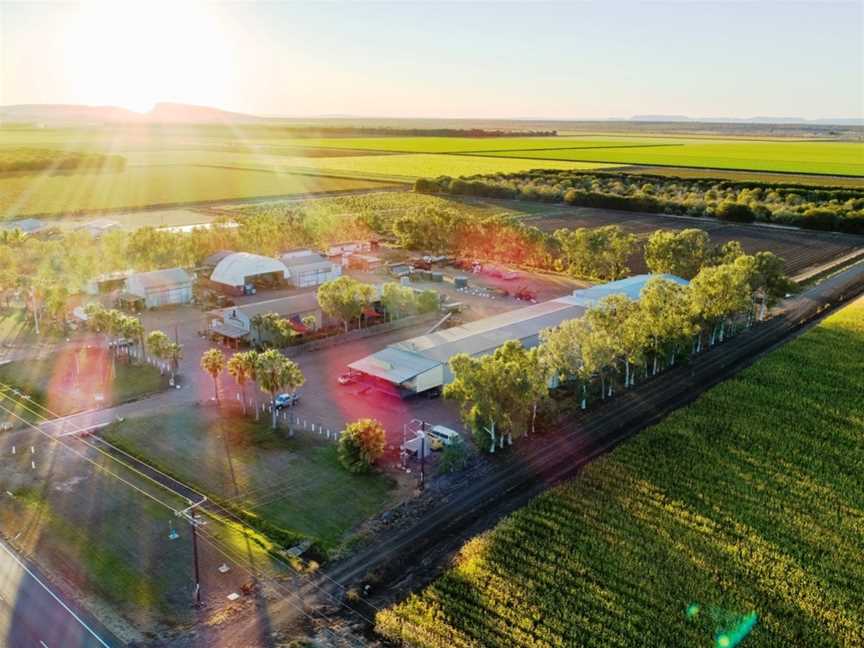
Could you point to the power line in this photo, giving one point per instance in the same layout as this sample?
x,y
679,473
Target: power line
x,y
221,509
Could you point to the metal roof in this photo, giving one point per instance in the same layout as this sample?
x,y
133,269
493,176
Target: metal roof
x,y
630,287
303,259
229,330
394,365
487,334
159,279
26,225
234,269
284,306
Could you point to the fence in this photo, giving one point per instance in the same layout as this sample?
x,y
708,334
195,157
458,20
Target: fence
x,y
360,334
294,423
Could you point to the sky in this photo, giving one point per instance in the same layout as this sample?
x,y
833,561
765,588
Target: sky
x,y
567,60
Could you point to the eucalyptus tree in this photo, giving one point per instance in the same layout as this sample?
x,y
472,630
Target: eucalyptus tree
x,y
679,253
717,293
666,316
768,281
498,393
345,298
398,300
562,350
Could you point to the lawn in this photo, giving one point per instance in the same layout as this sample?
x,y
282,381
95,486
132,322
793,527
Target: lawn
x,y
295,483
843,158
140,186
70,381
745,506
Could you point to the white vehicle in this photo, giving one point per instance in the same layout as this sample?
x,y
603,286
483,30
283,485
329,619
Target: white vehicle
x,y
412,446
444,435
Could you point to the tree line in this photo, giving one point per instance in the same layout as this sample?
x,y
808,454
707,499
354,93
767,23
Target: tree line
x,y
36,159
820,208
615,344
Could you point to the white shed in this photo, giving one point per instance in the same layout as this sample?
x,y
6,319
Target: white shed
x,y
241,268
307,268
161,287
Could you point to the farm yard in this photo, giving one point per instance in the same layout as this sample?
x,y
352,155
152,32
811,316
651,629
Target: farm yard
x,y
738,516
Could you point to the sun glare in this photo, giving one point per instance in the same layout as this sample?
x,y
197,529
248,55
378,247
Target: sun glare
x,y
134,54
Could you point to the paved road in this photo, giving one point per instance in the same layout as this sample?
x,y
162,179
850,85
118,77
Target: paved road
x,y
32,614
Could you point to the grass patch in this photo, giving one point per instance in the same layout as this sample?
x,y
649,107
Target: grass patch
x,y
69,380
747,502
286,488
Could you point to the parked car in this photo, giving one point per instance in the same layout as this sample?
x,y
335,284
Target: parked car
x,y
444,436
286,400
347,378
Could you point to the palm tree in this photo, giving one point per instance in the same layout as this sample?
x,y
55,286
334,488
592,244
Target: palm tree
x,y
213,362
133,330
274,373
241,366
157,344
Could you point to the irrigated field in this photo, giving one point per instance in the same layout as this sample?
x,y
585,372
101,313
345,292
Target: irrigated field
x,y
410,167
178,165
741,513
842,158
22,195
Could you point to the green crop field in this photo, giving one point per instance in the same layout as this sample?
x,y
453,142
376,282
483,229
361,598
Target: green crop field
x,y
22,195
843,158
472,144
409,167
745,507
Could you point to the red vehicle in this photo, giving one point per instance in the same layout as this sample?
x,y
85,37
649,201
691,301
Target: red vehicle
x,y
525,294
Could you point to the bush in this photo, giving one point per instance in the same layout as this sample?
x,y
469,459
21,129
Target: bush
x,y
819,219
453,458
360,444
734,212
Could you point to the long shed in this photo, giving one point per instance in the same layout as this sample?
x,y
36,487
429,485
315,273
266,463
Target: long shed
x,y
421,363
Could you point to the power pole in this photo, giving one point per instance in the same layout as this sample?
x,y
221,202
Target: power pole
x,y
195,559
422,435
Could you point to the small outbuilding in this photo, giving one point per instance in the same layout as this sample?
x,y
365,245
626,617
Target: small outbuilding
x,y
234,272
236,322
161,287
27,226
307,268
100,226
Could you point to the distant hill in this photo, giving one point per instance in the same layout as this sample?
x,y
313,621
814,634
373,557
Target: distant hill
x,y
66,113
839,121
167,113
161,113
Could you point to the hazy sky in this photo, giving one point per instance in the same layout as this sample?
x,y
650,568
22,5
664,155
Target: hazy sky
x,y
456,59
